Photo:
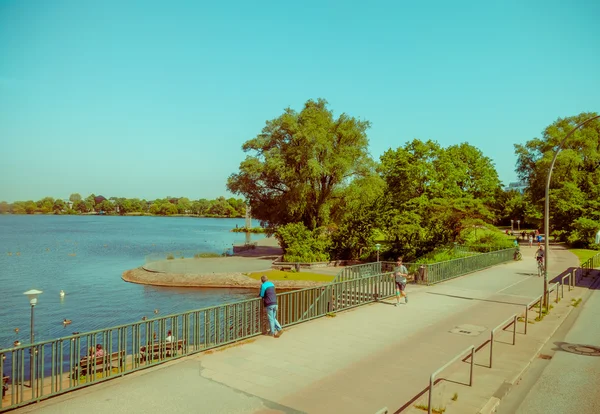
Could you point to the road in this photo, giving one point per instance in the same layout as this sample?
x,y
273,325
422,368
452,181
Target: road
x,y
569,382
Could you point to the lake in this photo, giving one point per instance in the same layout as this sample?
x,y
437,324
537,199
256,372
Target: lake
x,y
85,256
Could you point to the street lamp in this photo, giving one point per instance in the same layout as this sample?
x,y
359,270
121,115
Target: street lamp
x,y
32,295
519,225
512,225
547,204
377,247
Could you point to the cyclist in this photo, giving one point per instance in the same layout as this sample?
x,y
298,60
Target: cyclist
x,y
539,257
517,250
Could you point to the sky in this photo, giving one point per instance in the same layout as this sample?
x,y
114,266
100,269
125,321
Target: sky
x,y
151,99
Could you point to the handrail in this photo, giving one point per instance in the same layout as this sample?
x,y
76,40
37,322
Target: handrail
x,y
503,325
470,349
528,306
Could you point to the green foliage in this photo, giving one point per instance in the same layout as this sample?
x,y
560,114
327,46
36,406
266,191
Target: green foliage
x,y
205,255
255,230
300,244
430,191
575,185
298,164
583,232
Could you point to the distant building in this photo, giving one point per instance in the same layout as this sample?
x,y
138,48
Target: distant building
x,y
519,186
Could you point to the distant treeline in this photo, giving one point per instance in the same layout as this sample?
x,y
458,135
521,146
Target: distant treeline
x,y
220,207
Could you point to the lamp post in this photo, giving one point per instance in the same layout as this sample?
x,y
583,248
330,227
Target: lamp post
x,y
377,247
519,225
32,295
512,227
547,204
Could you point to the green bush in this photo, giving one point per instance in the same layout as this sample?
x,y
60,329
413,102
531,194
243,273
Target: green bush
x,y
206,255
583,233
299,244
170,257
255,230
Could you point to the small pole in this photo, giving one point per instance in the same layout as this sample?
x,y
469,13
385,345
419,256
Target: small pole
x,y
515,330
491,347
472,364
430,394
526,317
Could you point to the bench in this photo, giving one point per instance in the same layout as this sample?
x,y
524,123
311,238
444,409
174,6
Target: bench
x,y
4,386
160,350
99,364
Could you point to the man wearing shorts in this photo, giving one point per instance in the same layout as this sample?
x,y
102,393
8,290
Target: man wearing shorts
x,y
399,275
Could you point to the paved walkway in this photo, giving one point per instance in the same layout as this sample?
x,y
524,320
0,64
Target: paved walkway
x,y
567,380
357,362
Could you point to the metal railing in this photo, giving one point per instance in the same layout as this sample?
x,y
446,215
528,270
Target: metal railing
x,y
439,272
470,350
529,306
590,264
503,325
48,368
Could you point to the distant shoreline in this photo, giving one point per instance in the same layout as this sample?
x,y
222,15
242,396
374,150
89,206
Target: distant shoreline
x,y
125,215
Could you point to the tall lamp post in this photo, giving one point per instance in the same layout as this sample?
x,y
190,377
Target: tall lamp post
x,y
547,205
32,295
377,247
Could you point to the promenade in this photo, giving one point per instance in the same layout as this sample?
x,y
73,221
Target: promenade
x,y
359,361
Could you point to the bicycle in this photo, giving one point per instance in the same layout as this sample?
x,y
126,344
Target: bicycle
x,y
540,267
518,256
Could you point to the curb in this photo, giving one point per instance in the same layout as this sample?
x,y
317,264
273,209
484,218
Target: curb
x,y
494,402
520,374
490,406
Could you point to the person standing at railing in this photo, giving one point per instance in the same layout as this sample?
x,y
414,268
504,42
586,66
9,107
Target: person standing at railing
x,y
400,273
267,293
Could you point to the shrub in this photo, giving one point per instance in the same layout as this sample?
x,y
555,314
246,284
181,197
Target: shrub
x,y
170,257
299,244
206,255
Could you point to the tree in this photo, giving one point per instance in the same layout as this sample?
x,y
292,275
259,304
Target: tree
x,y
298,162
4,207
575,185
58,206
431,191
73,198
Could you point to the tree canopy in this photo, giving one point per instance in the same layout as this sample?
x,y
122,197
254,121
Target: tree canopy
x,y
298,164
431,192
575,184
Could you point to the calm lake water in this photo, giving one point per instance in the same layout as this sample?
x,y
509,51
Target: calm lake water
x,y
85,256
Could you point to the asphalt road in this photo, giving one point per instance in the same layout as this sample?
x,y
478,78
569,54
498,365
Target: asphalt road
x,y
569,382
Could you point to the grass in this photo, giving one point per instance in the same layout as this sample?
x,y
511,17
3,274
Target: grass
x,y
455,397
425,407
282,275
575,302
206,255
584,254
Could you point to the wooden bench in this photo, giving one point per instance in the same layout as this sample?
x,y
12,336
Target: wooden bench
x,y
99,364
4,386
160,350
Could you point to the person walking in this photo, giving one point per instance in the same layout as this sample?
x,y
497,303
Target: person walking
x,y
267,293
530,240
399,276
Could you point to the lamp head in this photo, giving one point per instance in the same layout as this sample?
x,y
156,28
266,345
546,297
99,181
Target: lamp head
x,y
32,295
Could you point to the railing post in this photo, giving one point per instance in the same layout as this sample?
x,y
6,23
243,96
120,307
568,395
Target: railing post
x,y
514,329
491,347
430,394
526,317
472,364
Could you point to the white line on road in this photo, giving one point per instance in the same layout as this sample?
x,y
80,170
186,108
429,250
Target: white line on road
x,y
516,283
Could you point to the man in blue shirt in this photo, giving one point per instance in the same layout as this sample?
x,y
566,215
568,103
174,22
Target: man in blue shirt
x,y
267,292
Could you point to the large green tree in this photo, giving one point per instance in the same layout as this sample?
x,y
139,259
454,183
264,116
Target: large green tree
x,y
431,192
575,184
297,163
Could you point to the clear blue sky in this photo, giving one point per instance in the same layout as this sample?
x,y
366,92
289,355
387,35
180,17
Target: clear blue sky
x,y
148,99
